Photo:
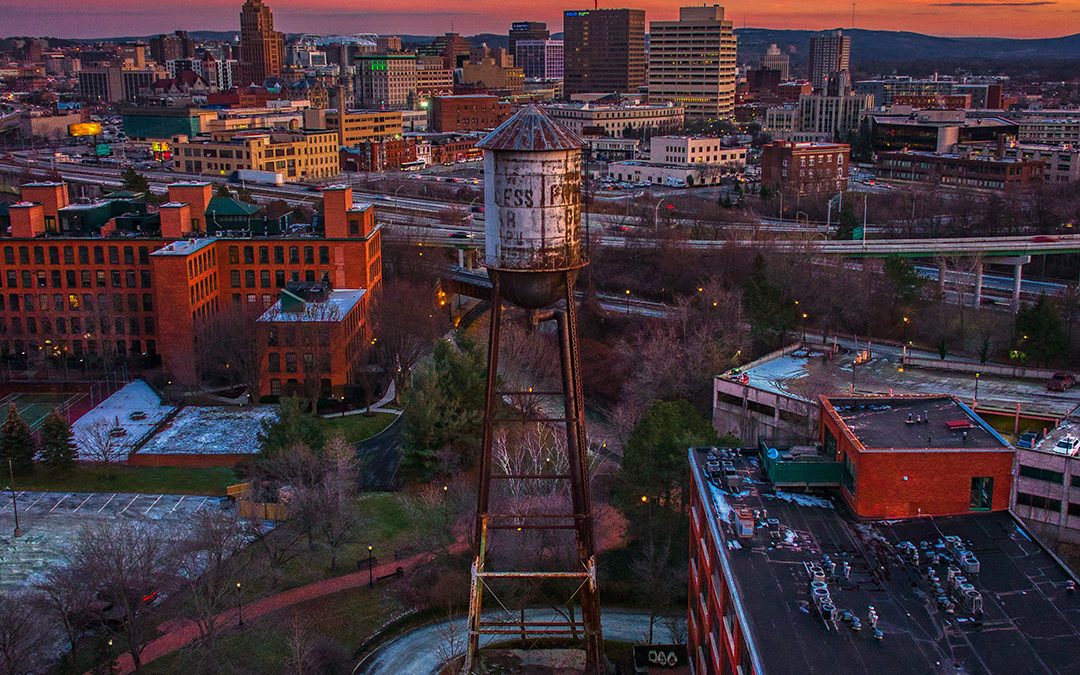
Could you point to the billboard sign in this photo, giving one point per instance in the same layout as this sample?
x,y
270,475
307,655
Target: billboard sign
x,y
84,129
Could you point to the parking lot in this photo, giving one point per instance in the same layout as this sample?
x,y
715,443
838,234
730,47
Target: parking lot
x,y
51,522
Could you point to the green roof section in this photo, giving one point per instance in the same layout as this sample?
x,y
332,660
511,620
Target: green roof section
x,y
227,206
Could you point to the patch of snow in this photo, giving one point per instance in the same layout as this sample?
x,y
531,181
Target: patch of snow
x,y
801,499
211,430
723,509
136,396
790,537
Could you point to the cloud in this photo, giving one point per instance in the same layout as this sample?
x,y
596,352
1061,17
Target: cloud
x,y
1037,3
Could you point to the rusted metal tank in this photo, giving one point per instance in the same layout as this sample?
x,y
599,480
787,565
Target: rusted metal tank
x,y
532,207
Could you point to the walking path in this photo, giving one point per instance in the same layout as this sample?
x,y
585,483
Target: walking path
x,y
181,633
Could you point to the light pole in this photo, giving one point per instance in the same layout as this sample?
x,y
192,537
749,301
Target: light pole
x,y
656,215
446,505
14,499
370,566
804,326
628,301
906,321
239,605
975,400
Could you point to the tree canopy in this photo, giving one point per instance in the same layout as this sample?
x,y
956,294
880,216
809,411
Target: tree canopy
x,y
655,455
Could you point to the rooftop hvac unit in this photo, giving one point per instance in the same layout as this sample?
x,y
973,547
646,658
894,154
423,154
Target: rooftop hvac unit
x,y
969,563
972,601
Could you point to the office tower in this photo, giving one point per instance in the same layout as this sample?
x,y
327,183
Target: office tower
x,y
262,49
775,59
165,48
604,50
540,59
692,62
526,30
829,53
386,44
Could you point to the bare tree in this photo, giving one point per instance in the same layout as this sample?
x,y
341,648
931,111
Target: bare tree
x,y
655,579
301,657
337,519
407,321
128,564
231,348
99,442
68,599
202,564
23,632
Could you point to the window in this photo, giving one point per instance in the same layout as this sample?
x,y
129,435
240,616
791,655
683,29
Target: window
x,y
982,493
1038,501
234,279
275,387
290,362
1042,474
274,362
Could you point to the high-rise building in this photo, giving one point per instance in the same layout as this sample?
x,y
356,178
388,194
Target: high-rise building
x,y
692,62
385,80
604,50
165,48
526,30
829,53
775,59
541,59
452,47
262,49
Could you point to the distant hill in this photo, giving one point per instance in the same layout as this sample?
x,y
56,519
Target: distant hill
x,y
883,47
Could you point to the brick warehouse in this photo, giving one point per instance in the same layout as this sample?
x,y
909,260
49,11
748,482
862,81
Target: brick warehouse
x,y
118,289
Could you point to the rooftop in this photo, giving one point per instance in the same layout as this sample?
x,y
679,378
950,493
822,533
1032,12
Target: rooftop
x,y
1029,622
531,129
335,308
915,422
184,246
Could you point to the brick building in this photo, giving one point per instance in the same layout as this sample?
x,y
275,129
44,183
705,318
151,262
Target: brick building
x,y
913,456
389,154
296,155
805,168
113,291
961,170
470,112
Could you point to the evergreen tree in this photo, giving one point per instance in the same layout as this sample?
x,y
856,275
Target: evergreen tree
x,y
655,456
57,444
771,313
133,181
16,443
905,281
1040,332
293,426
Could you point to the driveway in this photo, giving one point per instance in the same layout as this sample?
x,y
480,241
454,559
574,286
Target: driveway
x,y
422,650
380,457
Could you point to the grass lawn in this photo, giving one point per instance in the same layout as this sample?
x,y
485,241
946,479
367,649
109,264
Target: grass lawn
x,y
124,478
357,427
336,624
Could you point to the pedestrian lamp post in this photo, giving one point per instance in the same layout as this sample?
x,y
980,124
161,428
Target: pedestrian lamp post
x,y
906,321
446,505
370,566
975,399
14,499
628,301
804,315
239,605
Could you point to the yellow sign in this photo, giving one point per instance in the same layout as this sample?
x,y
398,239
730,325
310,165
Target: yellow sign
x,y
84,129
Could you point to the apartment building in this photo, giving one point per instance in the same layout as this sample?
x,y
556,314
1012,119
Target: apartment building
x,y
296,155
692,62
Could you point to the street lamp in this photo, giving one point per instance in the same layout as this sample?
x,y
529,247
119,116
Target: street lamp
x,y
628,301
240,605
906,322
370,566
804,315
656,215
975,400
14,499
446,505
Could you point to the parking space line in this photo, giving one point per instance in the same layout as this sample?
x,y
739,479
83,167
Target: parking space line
x,y
7,502
84,502
200,505
59,502
177,504
152,505
130,503
107,503
40,497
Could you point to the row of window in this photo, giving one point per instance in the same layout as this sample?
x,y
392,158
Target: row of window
x,y
72,302
249,253
120,347
1045,503
291,358
68,253
77,279
48,326
264,278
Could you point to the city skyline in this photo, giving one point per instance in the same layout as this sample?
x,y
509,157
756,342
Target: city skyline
x,y
108,18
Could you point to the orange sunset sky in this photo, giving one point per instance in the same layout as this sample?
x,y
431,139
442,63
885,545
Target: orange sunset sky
x,y
96,18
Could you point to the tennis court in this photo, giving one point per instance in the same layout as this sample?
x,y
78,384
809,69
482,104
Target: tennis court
x,y
35,407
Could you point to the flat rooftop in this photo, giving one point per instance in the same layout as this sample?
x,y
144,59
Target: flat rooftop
x,y
1030,621
184,246
333,309
917,422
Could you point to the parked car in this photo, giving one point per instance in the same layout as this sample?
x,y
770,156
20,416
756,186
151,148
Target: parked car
x,y
1067,445
1060,382
1027,440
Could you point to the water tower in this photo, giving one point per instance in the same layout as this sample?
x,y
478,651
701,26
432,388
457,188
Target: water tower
x,y
532,199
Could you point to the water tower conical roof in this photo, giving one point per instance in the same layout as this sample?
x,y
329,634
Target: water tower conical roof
x,y
531,129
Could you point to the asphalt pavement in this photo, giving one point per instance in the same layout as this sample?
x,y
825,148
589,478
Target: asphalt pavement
x,y
423,649
380,457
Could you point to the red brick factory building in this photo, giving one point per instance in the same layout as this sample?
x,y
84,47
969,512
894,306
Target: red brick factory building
x,y
115,278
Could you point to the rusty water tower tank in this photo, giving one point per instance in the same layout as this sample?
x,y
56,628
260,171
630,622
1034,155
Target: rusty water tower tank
x,y
532,207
